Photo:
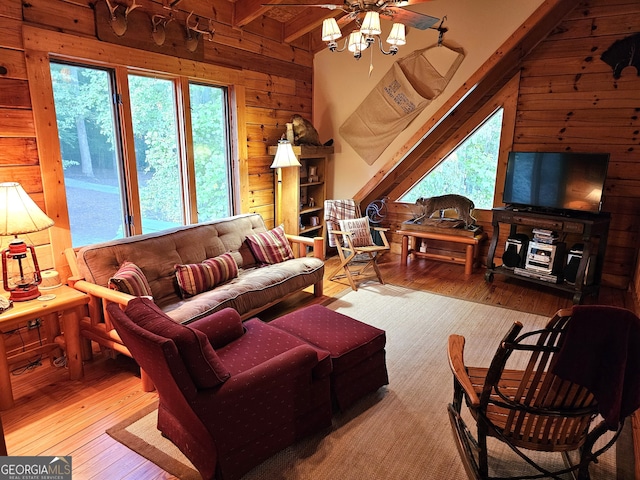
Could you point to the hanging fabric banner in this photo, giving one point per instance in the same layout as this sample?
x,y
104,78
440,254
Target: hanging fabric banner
x,y
403,93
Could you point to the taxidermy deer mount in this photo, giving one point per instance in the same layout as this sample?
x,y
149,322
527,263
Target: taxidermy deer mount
x,y
194,33
158,28
119,14
168,31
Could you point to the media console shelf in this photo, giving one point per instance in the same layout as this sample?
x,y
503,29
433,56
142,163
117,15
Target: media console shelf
x,y
590,229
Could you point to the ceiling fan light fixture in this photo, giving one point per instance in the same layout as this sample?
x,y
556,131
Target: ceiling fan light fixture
x,y
371,24
330,30
397,36
357,43
366,14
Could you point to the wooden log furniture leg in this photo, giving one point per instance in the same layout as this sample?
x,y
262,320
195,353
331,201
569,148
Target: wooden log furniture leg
x,y
6,395
3,444
63,302
471,243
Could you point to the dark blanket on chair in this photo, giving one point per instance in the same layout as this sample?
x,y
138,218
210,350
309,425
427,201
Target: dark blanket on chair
x,y
601,352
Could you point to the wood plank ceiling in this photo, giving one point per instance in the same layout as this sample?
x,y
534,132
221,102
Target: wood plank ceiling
x,y
297,21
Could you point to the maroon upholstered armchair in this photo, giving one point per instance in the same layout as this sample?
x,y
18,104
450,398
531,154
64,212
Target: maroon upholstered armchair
x,y
231,394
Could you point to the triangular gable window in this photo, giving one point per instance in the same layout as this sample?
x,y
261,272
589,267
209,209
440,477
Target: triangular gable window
x,y
469,170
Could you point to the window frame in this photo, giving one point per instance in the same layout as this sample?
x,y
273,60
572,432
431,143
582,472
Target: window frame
x,y
506,99
446,157
42,46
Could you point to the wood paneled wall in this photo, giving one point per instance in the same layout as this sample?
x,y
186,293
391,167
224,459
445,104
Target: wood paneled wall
x,y
569,100
275,82
18,151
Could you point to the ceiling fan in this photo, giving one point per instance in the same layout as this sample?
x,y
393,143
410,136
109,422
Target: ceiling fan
x,y
393,9
366,15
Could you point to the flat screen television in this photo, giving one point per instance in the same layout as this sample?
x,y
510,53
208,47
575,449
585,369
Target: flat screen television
x,y
556,181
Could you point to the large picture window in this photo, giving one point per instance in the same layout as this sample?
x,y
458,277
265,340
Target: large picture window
x,y
178,169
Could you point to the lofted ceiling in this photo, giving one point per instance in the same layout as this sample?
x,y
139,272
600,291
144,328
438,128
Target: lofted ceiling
x,y
300,17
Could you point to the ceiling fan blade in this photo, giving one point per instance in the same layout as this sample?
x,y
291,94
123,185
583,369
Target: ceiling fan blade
x,y
381,4
346,19
409,18
416,2
329,6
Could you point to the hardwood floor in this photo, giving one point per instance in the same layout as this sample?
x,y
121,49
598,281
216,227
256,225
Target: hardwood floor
x,y
56,416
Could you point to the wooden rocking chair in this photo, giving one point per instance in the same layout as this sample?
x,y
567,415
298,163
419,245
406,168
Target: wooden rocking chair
x,y
529,407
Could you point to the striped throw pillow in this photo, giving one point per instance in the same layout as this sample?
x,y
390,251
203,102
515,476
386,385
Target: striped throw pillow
x,y
196,278
271,246
130,279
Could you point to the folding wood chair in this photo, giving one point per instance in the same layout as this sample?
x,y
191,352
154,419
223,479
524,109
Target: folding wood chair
x,y
353,243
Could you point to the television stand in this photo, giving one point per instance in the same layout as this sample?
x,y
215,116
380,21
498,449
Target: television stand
x,y
591,230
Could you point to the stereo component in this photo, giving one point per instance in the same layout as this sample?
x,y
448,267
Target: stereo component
x,y
515,250
545,258
545,277
574,257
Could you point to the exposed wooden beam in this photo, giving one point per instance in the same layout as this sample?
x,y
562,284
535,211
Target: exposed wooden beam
x,y
246,11
310,20
506,97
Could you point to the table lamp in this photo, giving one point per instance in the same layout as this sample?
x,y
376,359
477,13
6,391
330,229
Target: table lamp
x,y
19,214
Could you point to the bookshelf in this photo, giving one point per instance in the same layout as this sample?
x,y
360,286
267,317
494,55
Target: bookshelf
x,y
300,196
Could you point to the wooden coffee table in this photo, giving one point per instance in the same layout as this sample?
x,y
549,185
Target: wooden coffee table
x,y
471,247
69,303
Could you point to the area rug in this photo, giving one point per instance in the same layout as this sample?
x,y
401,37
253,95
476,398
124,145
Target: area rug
x,y
402,431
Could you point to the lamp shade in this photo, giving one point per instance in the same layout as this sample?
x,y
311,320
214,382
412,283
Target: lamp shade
x,y
330,30
285,156
357,42
371,24
18,212
397,35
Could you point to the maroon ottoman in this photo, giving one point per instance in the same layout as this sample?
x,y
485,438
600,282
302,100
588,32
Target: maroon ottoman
x,y
356,350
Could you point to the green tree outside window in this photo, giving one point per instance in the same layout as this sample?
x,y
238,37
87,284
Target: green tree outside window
x,y
469,170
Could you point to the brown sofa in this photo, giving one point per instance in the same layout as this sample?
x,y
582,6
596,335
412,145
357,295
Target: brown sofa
x,y
256,287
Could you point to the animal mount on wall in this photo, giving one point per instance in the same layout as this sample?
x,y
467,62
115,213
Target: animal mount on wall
x,y
176,33
623,53
196,32
159,28
119,16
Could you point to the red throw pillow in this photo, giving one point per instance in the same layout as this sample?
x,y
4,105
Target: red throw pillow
x,y
130,279
203,363
196,278
271,246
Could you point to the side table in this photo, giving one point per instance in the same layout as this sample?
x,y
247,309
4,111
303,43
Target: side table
x,y
69,303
